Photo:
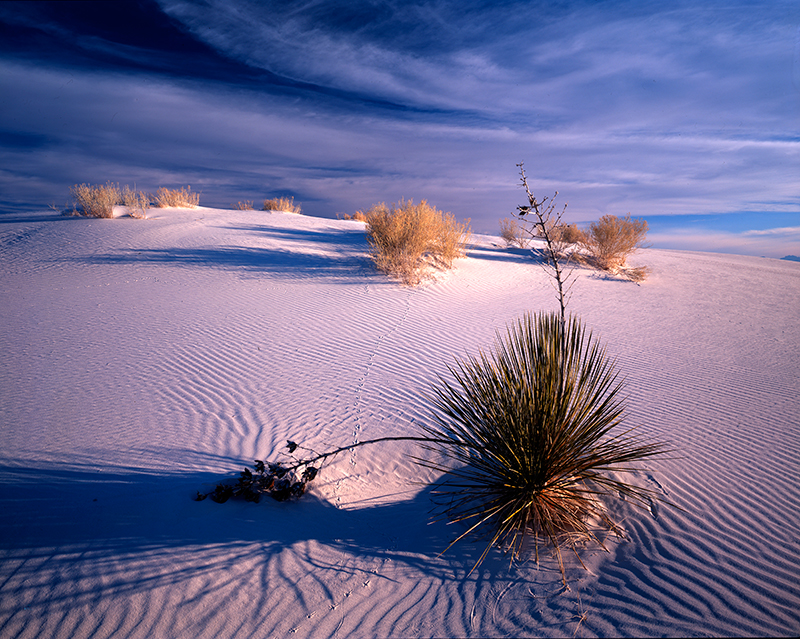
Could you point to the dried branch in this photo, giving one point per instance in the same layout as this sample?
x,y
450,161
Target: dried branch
x,y
279,480
557,263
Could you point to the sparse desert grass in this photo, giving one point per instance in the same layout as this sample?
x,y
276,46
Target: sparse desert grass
x,y
247,205
408,239
606,245
359,216
178,198
137,202
635,273
100,200
285,204
514,233
611,239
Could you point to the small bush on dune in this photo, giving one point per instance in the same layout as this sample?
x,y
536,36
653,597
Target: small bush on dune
x,y
605,245
135,201
96,201
513,233
247,205
408,239
284,204
612,239
178,198
100,200
358,216
568,234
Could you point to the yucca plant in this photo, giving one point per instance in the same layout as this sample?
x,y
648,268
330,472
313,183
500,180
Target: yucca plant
x,y
531,432
529,441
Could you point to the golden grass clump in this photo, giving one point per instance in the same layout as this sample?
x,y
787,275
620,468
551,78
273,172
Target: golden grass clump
x,y
178,198
568,234
137,202
285,204
96,200
100,200
611,239
247,205
408,239
358,216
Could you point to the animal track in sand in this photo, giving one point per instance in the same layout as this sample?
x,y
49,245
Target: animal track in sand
x,y
358,403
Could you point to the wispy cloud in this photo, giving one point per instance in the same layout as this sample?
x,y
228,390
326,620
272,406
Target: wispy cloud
x,y
623,107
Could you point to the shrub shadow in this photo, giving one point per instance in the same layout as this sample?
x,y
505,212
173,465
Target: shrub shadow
x,y
344,253
506,254
126,511
110,533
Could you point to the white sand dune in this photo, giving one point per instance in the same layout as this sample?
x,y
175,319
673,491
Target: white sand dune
x,y
143,360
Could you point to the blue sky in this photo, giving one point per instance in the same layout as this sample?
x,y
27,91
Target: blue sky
x,y
684,113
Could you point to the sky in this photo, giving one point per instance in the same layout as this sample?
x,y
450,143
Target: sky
x,y
686,114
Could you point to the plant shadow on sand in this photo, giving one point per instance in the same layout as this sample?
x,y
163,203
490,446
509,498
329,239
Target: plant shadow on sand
x,y
505,254
127,508
332,254
120,532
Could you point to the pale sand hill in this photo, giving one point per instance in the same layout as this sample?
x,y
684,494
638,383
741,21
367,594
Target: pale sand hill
x,y
142,360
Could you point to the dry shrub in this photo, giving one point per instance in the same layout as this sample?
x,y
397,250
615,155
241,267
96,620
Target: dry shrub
x,y
96,201
247,205
285,204
513,233
408,239
178,198
358,216
612,239
100,200
568,234
636,273
135,201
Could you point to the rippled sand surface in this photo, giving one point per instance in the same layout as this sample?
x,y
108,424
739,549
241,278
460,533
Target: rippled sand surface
x,y
144,360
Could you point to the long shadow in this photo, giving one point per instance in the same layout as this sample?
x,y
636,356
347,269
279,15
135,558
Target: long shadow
x,y
345,255
89,535
241,257
119,516
509,254
38,216
130,509
343,239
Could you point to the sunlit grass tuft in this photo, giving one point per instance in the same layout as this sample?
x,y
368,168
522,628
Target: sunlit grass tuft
x,y
612,239
285,204
99,200
96,200
178,198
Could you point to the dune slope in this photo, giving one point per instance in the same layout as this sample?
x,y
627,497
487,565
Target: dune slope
x,y
144,360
